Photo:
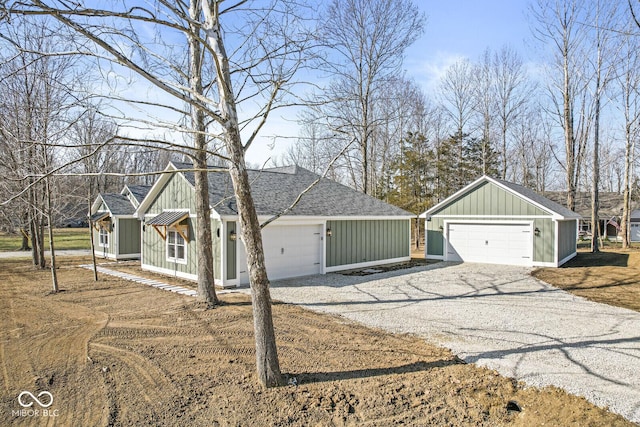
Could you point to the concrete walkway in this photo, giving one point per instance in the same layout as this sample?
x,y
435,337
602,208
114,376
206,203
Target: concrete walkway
x,y
495,316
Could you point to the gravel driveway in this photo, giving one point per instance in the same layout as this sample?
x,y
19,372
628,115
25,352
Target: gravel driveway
x,y
495,316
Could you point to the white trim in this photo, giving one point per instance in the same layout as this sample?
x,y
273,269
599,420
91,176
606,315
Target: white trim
x,y
323,239
169,272
367,264
497,216
485,221
556,243
303,220
566,259
184,244
101,238
104,254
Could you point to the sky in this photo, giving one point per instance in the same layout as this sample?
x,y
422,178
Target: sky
x,y
455,29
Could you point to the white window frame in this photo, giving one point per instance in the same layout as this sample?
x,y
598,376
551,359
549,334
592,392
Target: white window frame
x,y
103,237
178,242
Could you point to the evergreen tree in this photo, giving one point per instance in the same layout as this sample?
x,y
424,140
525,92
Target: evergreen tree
x,y
413,175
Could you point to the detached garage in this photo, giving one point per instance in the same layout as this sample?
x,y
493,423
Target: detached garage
x,y
497,222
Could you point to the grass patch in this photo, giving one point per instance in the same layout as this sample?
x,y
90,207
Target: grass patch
x,y
611,276
64,239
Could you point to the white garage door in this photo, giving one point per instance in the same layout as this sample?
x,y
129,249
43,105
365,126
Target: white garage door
x,y
490,243
635,232
289,251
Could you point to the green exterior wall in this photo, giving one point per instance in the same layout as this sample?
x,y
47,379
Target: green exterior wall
x,y
109,251
154,251
177,194
231,257
567,238
490,199
128,230
359,241
544,243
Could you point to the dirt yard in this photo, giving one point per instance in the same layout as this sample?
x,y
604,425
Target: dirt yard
x,y
117,353
611,277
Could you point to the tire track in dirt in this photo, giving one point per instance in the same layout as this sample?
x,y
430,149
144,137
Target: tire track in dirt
x,y
49,353
133,381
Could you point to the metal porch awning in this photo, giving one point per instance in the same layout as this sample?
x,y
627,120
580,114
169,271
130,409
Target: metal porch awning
x,y
170,219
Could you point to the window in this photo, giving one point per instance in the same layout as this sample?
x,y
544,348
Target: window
x,y
103,237
176,247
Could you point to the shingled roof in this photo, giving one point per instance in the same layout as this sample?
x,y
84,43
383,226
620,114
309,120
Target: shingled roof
x,y
545,202
276,189
118,204
610,205
139,192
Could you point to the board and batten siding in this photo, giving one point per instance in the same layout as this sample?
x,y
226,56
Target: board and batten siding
x,y
361,241
177,194
128,230
544,242
567,237
154,252
489,199
231,255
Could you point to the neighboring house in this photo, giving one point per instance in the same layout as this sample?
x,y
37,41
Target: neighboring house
x,y
609,214
116,230
332,228
498,222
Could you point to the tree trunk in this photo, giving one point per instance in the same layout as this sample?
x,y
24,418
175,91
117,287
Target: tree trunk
x,y
25,240
204,241
54,275
267,363
628,160
93,245
596,174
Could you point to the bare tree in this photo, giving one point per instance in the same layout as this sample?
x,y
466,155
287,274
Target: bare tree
x,y
557,24
456,94
367,41
484,93
628,82
35,111
269,42
512,90
602,69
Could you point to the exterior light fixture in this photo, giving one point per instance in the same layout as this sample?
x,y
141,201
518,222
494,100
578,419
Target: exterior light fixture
x,y
233,236
329,232
536,231
441,228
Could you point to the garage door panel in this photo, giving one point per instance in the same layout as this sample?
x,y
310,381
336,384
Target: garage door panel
x,y
290,251
490,243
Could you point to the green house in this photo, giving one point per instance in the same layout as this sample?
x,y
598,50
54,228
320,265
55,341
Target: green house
x,y
116,230
498,222
331,228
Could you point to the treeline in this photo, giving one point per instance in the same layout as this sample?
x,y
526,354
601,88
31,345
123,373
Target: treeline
x,y
553,122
